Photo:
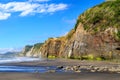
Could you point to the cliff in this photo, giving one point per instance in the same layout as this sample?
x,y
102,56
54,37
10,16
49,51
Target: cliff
x,y
96,33
32,51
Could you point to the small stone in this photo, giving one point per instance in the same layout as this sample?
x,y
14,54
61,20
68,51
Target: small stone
x,y
93,70
96,68
118,72
59,67
51,71
68,68
78,71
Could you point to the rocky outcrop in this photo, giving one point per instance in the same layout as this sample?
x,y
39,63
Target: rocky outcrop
x,y
32,51
96,33
26,49
84,43
52,47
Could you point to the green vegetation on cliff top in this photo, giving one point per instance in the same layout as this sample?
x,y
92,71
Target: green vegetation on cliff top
x,y
38,45
26,49
101,17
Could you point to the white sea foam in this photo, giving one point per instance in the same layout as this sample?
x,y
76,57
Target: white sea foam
x,y
18,59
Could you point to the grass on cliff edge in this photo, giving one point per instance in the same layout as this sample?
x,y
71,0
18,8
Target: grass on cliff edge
x,y
101,17
88,57
51,57
93,58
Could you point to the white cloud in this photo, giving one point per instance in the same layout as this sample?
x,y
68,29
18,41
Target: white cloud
x,y
56,7
28,8
4,16
39,0
4,50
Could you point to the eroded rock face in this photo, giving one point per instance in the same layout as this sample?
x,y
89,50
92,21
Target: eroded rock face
x,y
32,51
75,44
80,43
26,49
83,43
52,47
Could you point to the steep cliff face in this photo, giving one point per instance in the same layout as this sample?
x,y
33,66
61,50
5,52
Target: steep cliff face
x,y
32,51
96,32
84,43
26,49
52,47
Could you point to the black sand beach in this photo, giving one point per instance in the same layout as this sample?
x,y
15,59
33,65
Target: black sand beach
x,y
61,75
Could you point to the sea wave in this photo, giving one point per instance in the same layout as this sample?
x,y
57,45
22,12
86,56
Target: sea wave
x,y
18,59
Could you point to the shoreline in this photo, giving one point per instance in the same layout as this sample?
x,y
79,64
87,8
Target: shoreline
x,y
63,64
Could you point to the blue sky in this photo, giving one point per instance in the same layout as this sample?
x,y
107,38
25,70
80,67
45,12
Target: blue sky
x,y
25,22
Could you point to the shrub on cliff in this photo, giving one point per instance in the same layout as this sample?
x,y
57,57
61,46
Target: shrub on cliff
x,y
101,17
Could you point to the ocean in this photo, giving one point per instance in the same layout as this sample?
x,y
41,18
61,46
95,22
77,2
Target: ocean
x,y
17,59
24,68
8,60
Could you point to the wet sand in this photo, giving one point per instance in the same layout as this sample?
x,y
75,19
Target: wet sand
x,y
63,62
60,76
